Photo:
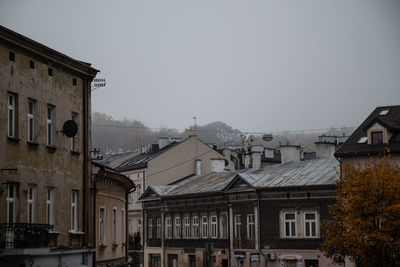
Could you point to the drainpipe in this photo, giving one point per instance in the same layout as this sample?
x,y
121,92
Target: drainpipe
x,y
258,221
94,192
85,156
162,231
126,220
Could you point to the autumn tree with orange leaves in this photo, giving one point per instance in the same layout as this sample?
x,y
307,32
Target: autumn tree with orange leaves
x,y
365,223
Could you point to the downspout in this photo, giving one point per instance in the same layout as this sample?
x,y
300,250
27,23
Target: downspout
x,y
162,232
85,156
126,221
94,192
258,220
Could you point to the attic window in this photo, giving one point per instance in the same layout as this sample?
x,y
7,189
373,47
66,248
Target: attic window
x,y
12,56
384,112
31,64
377,138
74,81
363,140
50,71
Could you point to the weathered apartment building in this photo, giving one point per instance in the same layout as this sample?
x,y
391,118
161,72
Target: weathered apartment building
x,y
264,216
164,163
45,175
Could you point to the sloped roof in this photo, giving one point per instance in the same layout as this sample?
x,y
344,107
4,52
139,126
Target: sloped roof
x,y
391,121
300,173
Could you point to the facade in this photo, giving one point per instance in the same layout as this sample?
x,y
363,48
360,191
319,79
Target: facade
x,y
265,217
110,213
45,175
164,163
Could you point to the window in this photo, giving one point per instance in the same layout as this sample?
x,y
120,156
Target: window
x,y
50,125
102,226
31,64
139,225
377,138
31,203
158,227
49,206
310,224
114,225
11,195
74,81
50,71
204,227
12,118
290,224
150,234
12,56
238,225
169,227
74,140
213,226
123,221
31,120
177,227
224,226
196,229
74,210
250,226
186,229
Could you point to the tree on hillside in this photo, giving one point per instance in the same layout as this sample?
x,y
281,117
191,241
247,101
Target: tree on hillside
x,y
366,217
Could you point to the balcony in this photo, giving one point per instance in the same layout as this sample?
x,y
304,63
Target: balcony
x,y
26,235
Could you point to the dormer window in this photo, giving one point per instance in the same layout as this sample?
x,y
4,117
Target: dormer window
x,y
376,137
384,112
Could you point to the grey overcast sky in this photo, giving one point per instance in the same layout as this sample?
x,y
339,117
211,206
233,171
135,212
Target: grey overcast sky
x,y
256,65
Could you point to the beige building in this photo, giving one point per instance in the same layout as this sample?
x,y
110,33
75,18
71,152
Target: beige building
x,y
44,174
111,238
164,163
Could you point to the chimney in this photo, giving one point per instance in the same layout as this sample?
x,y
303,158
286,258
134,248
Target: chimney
x,y
325,150
256,157
290,153
198,166
217,165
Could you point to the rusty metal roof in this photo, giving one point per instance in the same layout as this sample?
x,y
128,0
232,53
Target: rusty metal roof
x,y
301,173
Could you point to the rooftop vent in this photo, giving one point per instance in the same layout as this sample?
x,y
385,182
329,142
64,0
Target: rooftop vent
x,y
384,112
363,140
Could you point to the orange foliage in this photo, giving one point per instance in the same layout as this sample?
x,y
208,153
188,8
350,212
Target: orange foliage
x,y
365,223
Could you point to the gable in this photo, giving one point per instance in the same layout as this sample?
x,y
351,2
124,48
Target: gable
x,y
238,183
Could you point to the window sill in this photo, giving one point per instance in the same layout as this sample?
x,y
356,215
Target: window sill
x,y
114,245
102,246
51,149
73,232
14,140
75,153
32,145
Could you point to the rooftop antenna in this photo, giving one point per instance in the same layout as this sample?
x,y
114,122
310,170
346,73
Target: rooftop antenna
x,y
194,128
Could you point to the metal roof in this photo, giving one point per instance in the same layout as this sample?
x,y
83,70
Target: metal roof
x,y
301,173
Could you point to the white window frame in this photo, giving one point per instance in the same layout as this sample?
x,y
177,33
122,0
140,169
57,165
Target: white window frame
x,y
31,120
238,226
11,110
150,228
31,207
214,229
168,225
74,210
178,227
102,226
50,111
10,199
50,206
114,226
250,226
196,227
74,140
158,229
204,227
290,222
224,225
310,222
186,227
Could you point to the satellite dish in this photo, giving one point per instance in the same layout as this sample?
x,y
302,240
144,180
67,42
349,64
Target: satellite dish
x,y
70,128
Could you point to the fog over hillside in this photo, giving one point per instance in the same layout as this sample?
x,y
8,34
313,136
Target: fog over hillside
x,y
109,134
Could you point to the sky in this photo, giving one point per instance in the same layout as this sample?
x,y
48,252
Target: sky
x,y
267,65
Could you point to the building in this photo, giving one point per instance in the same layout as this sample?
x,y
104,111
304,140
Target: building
x,y
377,135
164,163
45,175
257,217
111,191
